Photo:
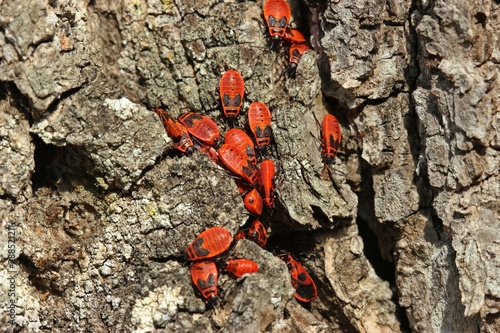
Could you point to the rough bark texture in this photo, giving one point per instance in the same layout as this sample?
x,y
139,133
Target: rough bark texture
x,y
400,234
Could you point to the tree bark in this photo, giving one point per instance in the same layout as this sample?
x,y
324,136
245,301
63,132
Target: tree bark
x,y
399,233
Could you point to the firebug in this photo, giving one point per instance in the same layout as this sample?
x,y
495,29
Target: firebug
x,y
177,132
237,162
296,53
259,121
204,275
277,16
305,288
201,127
257,232
331,134
232,91
238,138
253,202
266,182
240,267
209,243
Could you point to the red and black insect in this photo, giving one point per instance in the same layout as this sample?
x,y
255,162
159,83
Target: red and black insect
x,y
239,139
259,121
204,275
266,182
294,36
240,267
331,134
236,161
177,132
305,288
232,91
253,202
256,232
209,243
277,16
201,127
296,53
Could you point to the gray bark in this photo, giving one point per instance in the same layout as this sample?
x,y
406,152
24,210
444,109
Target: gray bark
x,y
400,233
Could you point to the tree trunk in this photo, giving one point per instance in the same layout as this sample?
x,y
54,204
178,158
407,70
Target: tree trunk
x,y
399,233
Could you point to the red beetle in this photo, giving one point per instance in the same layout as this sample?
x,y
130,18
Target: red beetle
x,y
240,267
259,120
253,202
177,132
331,134
294,36
237,162
201,127
238,138
277,15
204,275
232,91
305,288
266,182
209,243
296,52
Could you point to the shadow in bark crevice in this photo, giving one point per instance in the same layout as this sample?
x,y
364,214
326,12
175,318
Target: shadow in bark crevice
x,y
379,241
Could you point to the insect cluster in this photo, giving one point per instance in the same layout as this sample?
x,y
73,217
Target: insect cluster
x,y
203,252
239,153
277,14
